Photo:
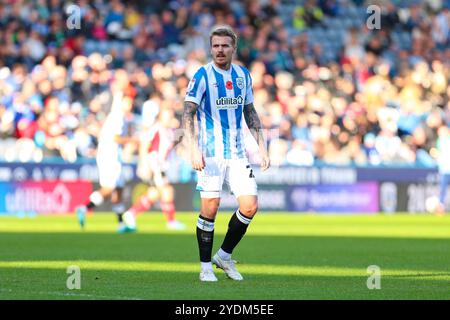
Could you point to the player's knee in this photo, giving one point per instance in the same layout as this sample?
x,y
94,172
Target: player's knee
x,y
249,210
152,194
210,211
210,208
115,197
167,193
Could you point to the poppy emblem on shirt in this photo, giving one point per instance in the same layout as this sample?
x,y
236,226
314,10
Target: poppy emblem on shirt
x,y
229,85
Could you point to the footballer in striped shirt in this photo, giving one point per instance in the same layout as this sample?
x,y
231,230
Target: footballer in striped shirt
x,y
220,98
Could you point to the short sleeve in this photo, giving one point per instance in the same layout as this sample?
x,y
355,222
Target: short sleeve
x,y
249,89
196,88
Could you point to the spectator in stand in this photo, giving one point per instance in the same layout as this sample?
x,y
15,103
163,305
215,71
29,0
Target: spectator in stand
x,y
309,15
348,98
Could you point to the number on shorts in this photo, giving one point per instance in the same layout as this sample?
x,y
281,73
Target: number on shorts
x,y
251,172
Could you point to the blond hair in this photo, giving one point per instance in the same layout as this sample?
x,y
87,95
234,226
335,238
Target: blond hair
x,y
223,31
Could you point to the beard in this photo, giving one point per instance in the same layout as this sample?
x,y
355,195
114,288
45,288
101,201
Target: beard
x,y
222,61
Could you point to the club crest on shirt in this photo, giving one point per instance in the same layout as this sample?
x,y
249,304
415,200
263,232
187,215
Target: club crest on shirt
x,y
240,82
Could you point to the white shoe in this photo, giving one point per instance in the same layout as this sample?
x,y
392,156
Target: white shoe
x,y
123,228
207,275
176,225
228,266
129,220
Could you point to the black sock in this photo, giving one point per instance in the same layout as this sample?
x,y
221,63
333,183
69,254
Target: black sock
x,y
236,229
119,209
205,237
90,205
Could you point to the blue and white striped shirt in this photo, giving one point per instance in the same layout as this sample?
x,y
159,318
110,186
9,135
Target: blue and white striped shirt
x,y
221,96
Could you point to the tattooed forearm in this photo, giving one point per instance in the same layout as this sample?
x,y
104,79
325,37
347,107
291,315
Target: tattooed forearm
x,y
190,109
254,124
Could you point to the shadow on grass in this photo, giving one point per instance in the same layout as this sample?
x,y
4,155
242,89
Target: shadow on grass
x,y
330,251
25,283
427,260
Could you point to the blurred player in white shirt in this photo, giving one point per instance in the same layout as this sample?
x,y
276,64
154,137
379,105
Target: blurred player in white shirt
x,y
156,143
113,135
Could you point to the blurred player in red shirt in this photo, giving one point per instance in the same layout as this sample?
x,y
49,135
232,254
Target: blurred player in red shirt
x,y
156,143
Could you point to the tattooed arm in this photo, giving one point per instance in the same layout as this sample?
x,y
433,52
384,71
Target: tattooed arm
x,y
254,125
190,109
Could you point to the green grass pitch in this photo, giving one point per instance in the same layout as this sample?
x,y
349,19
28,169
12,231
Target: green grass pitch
x,y
282,256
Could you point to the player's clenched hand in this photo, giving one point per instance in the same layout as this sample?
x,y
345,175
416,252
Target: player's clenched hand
x,y
265,161
197,160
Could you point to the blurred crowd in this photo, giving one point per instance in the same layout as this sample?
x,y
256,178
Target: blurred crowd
x,y
374,103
